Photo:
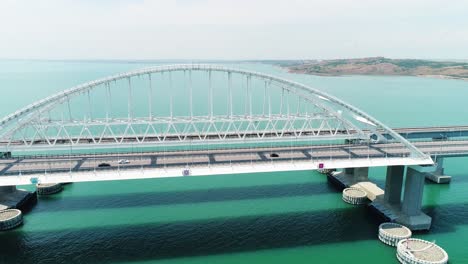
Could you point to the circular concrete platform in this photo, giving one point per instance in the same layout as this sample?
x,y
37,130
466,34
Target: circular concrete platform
x,y
392,233
48,188
326,171
418,251
354,196
10,219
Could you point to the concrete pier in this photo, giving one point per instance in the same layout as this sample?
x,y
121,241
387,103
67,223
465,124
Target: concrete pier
x,y
394,184
357,178
418,251
392,233
394,206
10,219
438,176
412,200
405,210
10,197
48,188
354,196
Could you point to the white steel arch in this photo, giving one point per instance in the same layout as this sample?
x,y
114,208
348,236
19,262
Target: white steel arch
x,y
330,119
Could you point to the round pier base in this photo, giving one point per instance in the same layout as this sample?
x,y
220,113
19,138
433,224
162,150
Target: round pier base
x,y
326,171
354,196
10,219
418,251
48,188
392,233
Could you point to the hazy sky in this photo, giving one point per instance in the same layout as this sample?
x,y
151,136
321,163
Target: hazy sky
x,y
233,29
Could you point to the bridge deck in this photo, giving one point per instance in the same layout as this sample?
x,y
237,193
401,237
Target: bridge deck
x,y
103,142
443,132
223,161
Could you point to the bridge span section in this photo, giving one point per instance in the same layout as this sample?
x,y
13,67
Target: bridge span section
x,y
190,120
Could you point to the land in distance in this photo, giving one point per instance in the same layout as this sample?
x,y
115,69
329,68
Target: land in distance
x,y
380,66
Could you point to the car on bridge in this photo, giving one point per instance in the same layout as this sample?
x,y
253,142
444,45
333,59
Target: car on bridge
x,y
440,138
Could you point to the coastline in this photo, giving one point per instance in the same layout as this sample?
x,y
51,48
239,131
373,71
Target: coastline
x,y
381,66
434,76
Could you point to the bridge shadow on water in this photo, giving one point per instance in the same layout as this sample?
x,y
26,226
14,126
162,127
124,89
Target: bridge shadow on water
x,y
57,203
206,237
187,238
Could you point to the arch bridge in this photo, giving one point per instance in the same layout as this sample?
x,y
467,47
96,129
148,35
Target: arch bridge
x,y
198,109
189,120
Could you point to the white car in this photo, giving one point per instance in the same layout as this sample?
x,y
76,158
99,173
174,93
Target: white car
x,y
124,161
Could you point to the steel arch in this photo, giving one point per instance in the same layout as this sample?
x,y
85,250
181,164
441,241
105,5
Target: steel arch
x,y
363,126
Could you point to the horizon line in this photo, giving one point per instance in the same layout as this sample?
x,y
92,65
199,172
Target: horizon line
x,y
216,60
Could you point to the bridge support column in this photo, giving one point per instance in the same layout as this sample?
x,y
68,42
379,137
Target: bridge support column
x,y
357,178
10,197
394,184
438,175
356,175
349,176
406,211
412,216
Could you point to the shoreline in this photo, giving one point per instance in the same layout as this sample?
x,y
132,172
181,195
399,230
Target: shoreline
x,y
434,76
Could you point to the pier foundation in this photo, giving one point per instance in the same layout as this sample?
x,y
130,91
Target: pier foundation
x,y
404,210
351,176
10,197
48,188
394,204
357,178
412,215
438,175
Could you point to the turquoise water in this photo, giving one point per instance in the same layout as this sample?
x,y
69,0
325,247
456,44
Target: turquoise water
x,y
293,217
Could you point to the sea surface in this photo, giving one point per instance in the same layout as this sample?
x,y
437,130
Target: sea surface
x,y
287,217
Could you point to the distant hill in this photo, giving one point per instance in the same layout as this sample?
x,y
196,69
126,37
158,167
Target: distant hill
x,y
382,66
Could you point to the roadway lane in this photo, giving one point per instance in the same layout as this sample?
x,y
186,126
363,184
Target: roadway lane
x,y
412,133
90,162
